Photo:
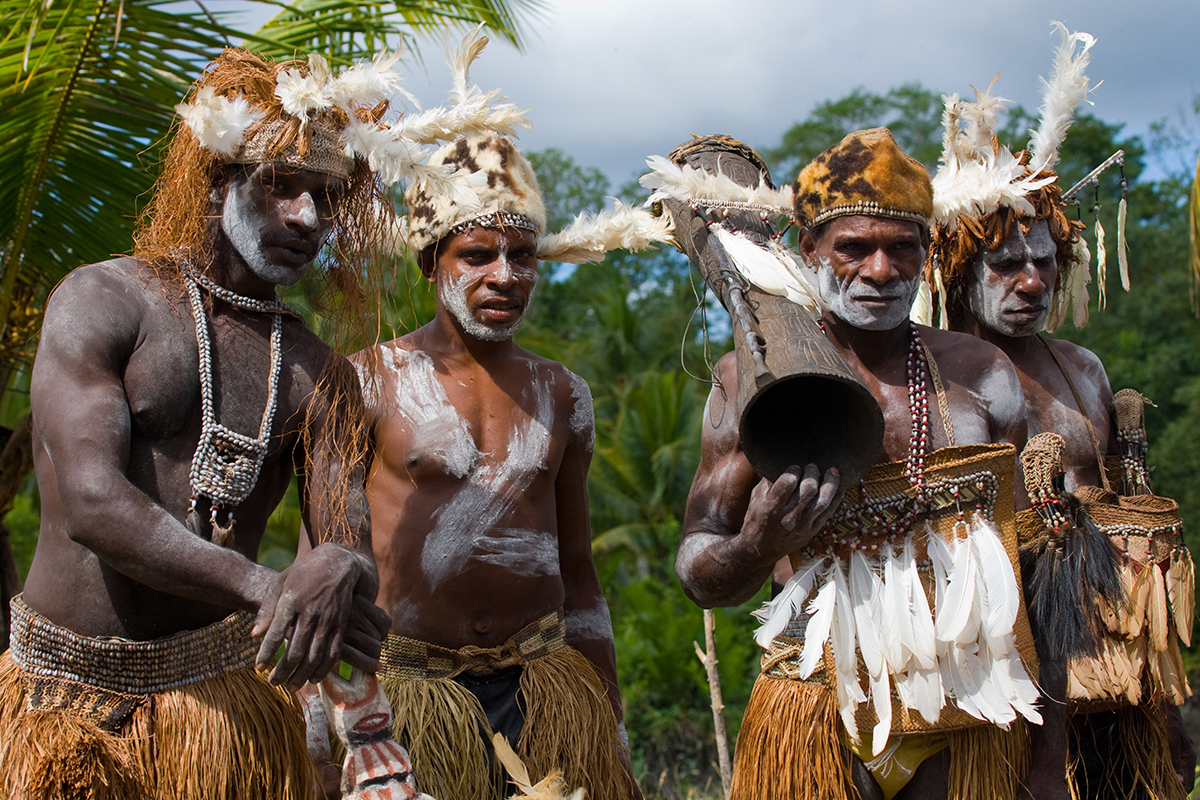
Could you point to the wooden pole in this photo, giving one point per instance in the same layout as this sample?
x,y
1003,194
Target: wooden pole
x,y
708,657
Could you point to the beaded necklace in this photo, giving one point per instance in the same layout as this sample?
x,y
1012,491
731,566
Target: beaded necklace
x,y
917,374
226,464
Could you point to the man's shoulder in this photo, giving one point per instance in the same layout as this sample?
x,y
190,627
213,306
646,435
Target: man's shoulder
x,y
964,357
118,276
1077,355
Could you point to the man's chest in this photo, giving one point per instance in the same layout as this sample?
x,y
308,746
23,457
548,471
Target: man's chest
x,y
456,425
165,379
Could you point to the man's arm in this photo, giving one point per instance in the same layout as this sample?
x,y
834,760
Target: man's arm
x,y
737,526
331,587
82,417
589,626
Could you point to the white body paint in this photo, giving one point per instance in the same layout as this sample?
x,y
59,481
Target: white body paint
x,y
468,526
844,299
583,418
418,396
590,624
243,225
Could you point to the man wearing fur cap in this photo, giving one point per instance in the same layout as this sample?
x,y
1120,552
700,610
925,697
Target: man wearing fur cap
x,y
173,399
479,503
1008,262
882,641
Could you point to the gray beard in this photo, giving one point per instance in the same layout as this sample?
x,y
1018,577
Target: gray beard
x,y
845,307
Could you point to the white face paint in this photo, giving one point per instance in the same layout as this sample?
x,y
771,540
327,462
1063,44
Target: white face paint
x,y
453,293
244,221
1011,286
847,300
469,524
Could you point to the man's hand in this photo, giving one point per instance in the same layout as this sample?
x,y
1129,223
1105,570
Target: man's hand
x,y
785,515
1183,756
322,605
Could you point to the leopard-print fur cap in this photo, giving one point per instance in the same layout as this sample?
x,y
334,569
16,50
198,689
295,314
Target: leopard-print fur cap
x,y
864,174
511,187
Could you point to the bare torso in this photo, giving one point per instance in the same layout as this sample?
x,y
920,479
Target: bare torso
x,y
465,488
1053,406
154,406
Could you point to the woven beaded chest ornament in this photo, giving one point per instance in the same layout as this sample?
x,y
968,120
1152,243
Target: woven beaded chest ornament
x,y
226,464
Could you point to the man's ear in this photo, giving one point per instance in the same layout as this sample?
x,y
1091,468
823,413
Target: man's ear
x,y
427,262
807,244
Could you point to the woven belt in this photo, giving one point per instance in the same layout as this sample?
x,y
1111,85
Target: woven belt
x,y
409,659
41,648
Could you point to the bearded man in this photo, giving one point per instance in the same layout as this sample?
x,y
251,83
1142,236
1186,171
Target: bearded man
x,y
132,671
1009,262
479,502
869,606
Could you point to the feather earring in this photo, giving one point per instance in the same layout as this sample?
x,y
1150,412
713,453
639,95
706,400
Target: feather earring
x,y
1181,589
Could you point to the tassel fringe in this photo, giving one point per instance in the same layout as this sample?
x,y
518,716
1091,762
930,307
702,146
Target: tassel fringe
x,y
569,728
221,739
988,762
789,747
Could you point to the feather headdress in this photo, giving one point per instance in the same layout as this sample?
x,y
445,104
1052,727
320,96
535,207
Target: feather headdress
x,y
772,268
695,186
591,236
982,188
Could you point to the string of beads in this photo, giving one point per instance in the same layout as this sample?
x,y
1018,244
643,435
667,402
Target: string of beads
x,y
226,464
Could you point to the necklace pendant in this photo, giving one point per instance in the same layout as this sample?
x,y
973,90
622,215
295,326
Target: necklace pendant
x,y
222,535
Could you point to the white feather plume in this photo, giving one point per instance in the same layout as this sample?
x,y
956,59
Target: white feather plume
x,y
865,596
845,656
820,624
218,123
999,583
957,617
686,184
1062,94
771,269
778,612
924,634
591,236
922,310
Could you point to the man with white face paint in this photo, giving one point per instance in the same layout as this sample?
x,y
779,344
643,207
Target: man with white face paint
x,y
1009,261
479,509
173,400
951,405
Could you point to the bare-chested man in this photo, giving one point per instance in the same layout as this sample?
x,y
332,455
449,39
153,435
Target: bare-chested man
x,y
864,206
132,668
479,502
1007,267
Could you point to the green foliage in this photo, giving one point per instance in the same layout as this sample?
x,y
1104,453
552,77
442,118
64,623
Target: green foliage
x,y
912,113
22,525
663,684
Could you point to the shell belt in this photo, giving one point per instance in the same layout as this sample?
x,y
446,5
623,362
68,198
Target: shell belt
x,y
43,649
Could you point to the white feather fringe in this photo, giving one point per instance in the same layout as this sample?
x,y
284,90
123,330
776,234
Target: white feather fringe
x,y
689,185
962,650
772,269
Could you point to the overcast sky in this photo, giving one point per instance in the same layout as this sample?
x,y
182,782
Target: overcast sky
x,y
613,81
